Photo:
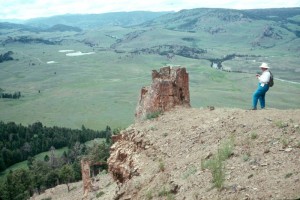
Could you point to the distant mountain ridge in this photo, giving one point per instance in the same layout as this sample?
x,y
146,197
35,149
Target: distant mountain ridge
x,y
87,21
23,27
187,19
194,18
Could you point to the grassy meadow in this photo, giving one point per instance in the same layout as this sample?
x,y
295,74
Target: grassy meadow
x,y
103,88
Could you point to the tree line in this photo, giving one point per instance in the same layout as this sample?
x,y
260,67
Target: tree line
x,y
6,56
15,95
50,172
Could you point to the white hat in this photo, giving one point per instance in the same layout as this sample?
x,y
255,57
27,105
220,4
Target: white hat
x,y
264,65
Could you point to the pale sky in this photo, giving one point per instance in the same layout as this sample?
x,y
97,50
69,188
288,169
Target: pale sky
x,y
26,9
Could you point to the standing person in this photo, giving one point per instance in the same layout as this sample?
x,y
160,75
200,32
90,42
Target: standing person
x,y
263,87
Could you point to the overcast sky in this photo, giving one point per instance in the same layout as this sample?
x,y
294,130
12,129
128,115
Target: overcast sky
x,y
25,9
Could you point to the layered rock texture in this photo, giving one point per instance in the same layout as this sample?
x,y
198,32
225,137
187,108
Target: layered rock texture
x,y
123,162
169,88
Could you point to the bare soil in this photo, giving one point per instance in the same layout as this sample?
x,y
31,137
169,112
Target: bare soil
x,y
265,163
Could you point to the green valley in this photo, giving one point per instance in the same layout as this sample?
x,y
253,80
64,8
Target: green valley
x,y
93,77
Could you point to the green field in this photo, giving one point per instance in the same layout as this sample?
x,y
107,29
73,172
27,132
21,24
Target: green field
x,y
103,88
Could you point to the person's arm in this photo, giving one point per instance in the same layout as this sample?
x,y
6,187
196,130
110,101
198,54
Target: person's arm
x,y
265,77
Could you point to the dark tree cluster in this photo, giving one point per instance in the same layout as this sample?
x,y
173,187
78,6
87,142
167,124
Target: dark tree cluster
x,y
29,40
6,56
219,61
18,142
15,95
162,50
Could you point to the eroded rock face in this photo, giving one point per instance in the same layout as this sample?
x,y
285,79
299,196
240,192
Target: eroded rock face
x,y
169,88
122,162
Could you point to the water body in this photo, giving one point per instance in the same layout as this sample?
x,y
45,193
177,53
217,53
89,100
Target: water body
x,y
65,51
51,62
79,53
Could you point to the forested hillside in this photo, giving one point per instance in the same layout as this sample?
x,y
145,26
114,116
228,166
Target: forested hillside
x,y
18,142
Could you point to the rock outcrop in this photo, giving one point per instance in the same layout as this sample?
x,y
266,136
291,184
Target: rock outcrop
x,y
169,88
122,162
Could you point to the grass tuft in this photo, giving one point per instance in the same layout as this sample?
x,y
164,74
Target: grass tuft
x,y
288,175
153,115
166,193
253,136
99,194
149,195
161,165
190,171
285,142
281,124
246,157
216,163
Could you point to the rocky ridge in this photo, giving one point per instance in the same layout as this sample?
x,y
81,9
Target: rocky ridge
x,y
162,158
